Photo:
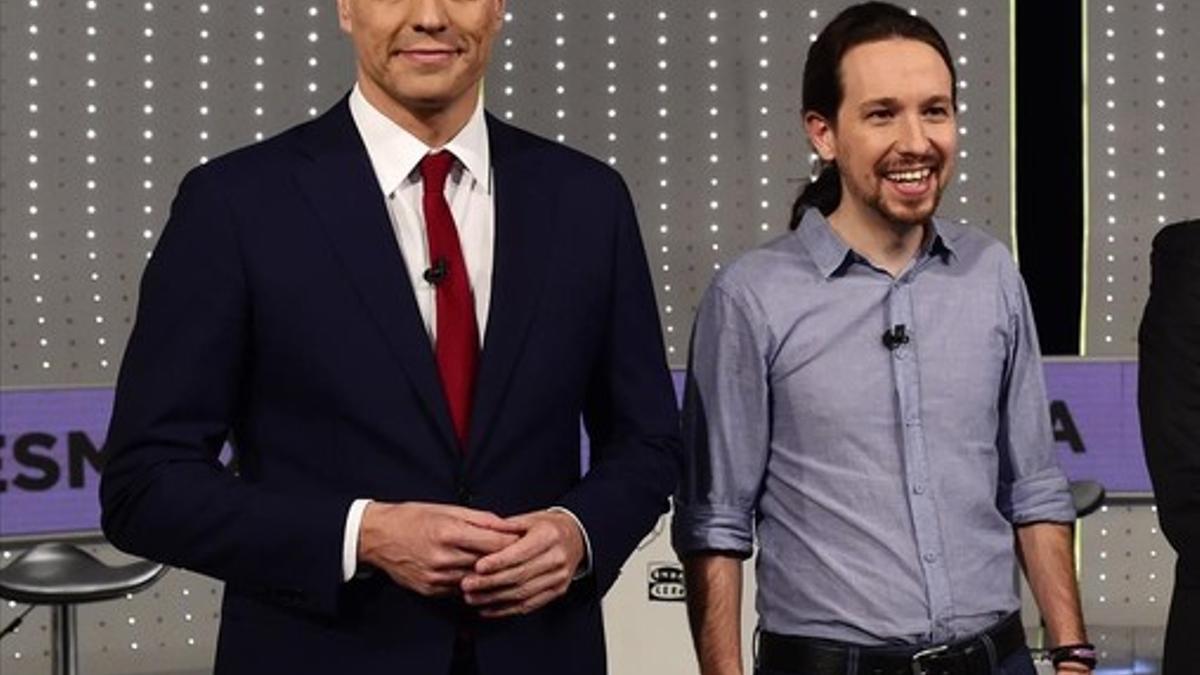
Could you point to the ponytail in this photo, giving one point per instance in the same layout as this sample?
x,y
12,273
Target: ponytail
x,y
823,194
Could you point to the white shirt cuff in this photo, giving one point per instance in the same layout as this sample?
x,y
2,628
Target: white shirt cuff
x,y
585,568
350,539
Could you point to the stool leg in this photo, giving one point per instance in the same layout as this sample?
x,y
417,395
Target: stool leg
x,y
62,630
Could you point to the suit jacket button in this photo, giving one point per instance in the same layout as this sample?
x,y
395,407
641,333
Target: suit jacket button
x,y
464,495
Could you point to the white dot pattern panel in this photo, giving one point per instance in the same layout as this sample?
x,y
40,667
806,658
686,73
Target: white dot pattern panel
x,y
1143,144
1127,570
698,107
1128,567
171,626
107,103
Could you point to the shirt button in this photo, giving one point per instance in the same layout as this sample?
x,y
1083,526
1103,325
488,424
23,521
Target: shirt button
x,y
919,489
899,352
930,558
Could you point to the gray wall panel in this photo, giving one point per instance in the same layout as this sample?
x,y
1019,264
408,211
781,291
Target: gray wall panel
x,y
1143,96
695,103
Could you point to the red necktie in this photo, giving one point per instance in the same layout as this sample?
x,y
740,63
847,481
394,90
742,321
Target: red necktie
x,y
457,337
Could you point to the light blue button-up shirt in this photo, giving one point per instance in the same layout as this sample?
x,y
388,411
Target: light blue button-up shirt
x,y
882,484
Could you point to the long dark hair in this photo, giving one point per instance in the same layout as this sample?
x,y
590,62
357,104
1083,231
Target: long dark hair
x,y
855,25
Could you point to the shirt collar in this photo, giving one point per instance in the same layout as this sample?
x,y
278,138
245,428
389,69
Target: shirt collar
x,y
832,255
826,248
945,236
395,152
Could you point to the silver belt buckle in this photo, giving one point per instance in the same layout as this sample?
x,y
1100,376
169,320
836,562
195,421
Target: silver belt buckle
x,y
920,656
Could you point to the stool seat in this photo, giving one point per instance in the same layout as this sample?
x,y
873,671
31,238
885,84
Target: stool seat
x,y
1087,496
56,573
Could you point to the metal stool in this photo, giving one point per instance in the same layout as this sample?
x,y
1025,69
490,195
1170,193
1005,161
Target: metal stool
x,y
64,576
1087,496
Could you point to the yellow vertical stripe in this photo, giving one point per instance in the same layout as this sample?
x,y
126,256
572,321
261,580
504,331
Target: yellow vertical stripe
x,y
1087,216
1012,129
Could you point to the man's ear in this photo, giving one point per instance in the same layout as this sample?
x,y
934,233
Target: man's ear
x,y
821,135
500,5
343,12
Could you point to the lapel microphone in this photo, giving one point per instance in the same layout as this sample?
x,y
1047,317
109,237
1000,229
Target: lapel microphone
x,y
437,272
895,336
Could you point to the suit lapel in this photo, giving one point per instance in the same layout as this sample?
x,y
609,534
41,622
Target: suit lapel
x,y
523,242
339,183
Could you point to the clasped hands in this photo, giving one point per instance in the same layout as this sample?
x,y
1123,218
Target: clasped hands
x,y
501,566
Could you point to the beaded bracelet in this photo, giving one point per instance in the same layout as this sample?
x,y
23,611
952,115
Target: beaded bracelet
x,y
1082,653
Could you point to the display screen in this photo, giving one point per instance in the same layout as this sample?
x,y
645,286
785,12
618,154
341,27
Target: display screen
x,y
51,443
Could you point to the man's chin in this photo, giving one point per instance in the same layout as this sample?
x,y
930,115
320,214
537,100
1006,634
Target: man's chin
x,y
427,95
911,213
909,216
424,106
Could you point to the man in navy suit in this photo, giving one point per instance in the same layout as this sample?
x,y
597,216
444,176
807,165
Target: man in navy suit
x,y
1169,402
397,315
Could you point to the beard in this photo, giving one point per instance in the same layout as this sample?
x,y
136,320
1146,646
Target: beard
x,y
906,214
901,212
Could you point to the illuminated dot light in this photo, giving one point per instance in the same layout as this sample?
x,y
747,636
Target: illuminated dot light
x,y
1160,122
314,37
714,181
612,111
962,65
560,90
662,151
1110,171
503,55
31,221
764,135
257,62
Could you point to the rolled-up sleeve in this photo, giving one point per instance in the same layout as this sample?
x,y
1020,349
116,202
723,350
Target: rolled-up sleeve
x,y
1032,485
726,426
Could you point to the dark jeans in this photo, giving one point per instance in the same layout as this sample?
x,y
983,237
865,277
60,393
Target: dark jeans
x,y
1018,663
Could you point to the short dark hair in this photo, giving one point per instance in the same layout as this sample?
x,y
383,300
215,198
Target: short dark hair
x,y
823,91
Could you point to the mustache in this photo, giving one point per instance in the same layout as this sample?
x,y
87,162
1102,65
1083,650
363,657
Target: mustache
x,y
931,160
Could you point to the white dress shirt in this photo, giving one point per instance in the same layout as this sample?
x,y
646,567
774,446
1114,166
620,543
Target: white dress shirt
x,y
395,156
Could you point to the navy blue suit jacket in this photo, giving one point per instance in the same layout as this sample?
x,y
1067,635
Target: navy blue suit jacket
x,y
1169,402
276,312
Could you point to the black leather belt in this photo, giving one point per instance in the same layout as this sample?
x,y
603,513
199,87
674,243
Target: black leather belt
x,y
971,656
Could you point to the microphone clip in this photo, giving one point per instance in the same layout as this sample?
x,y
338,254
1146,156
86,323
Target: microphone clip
x,y
437,272
895,336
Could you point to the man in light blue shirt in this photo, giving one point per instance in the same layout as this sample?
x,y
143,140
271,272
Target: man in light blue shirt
x,y
865,396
